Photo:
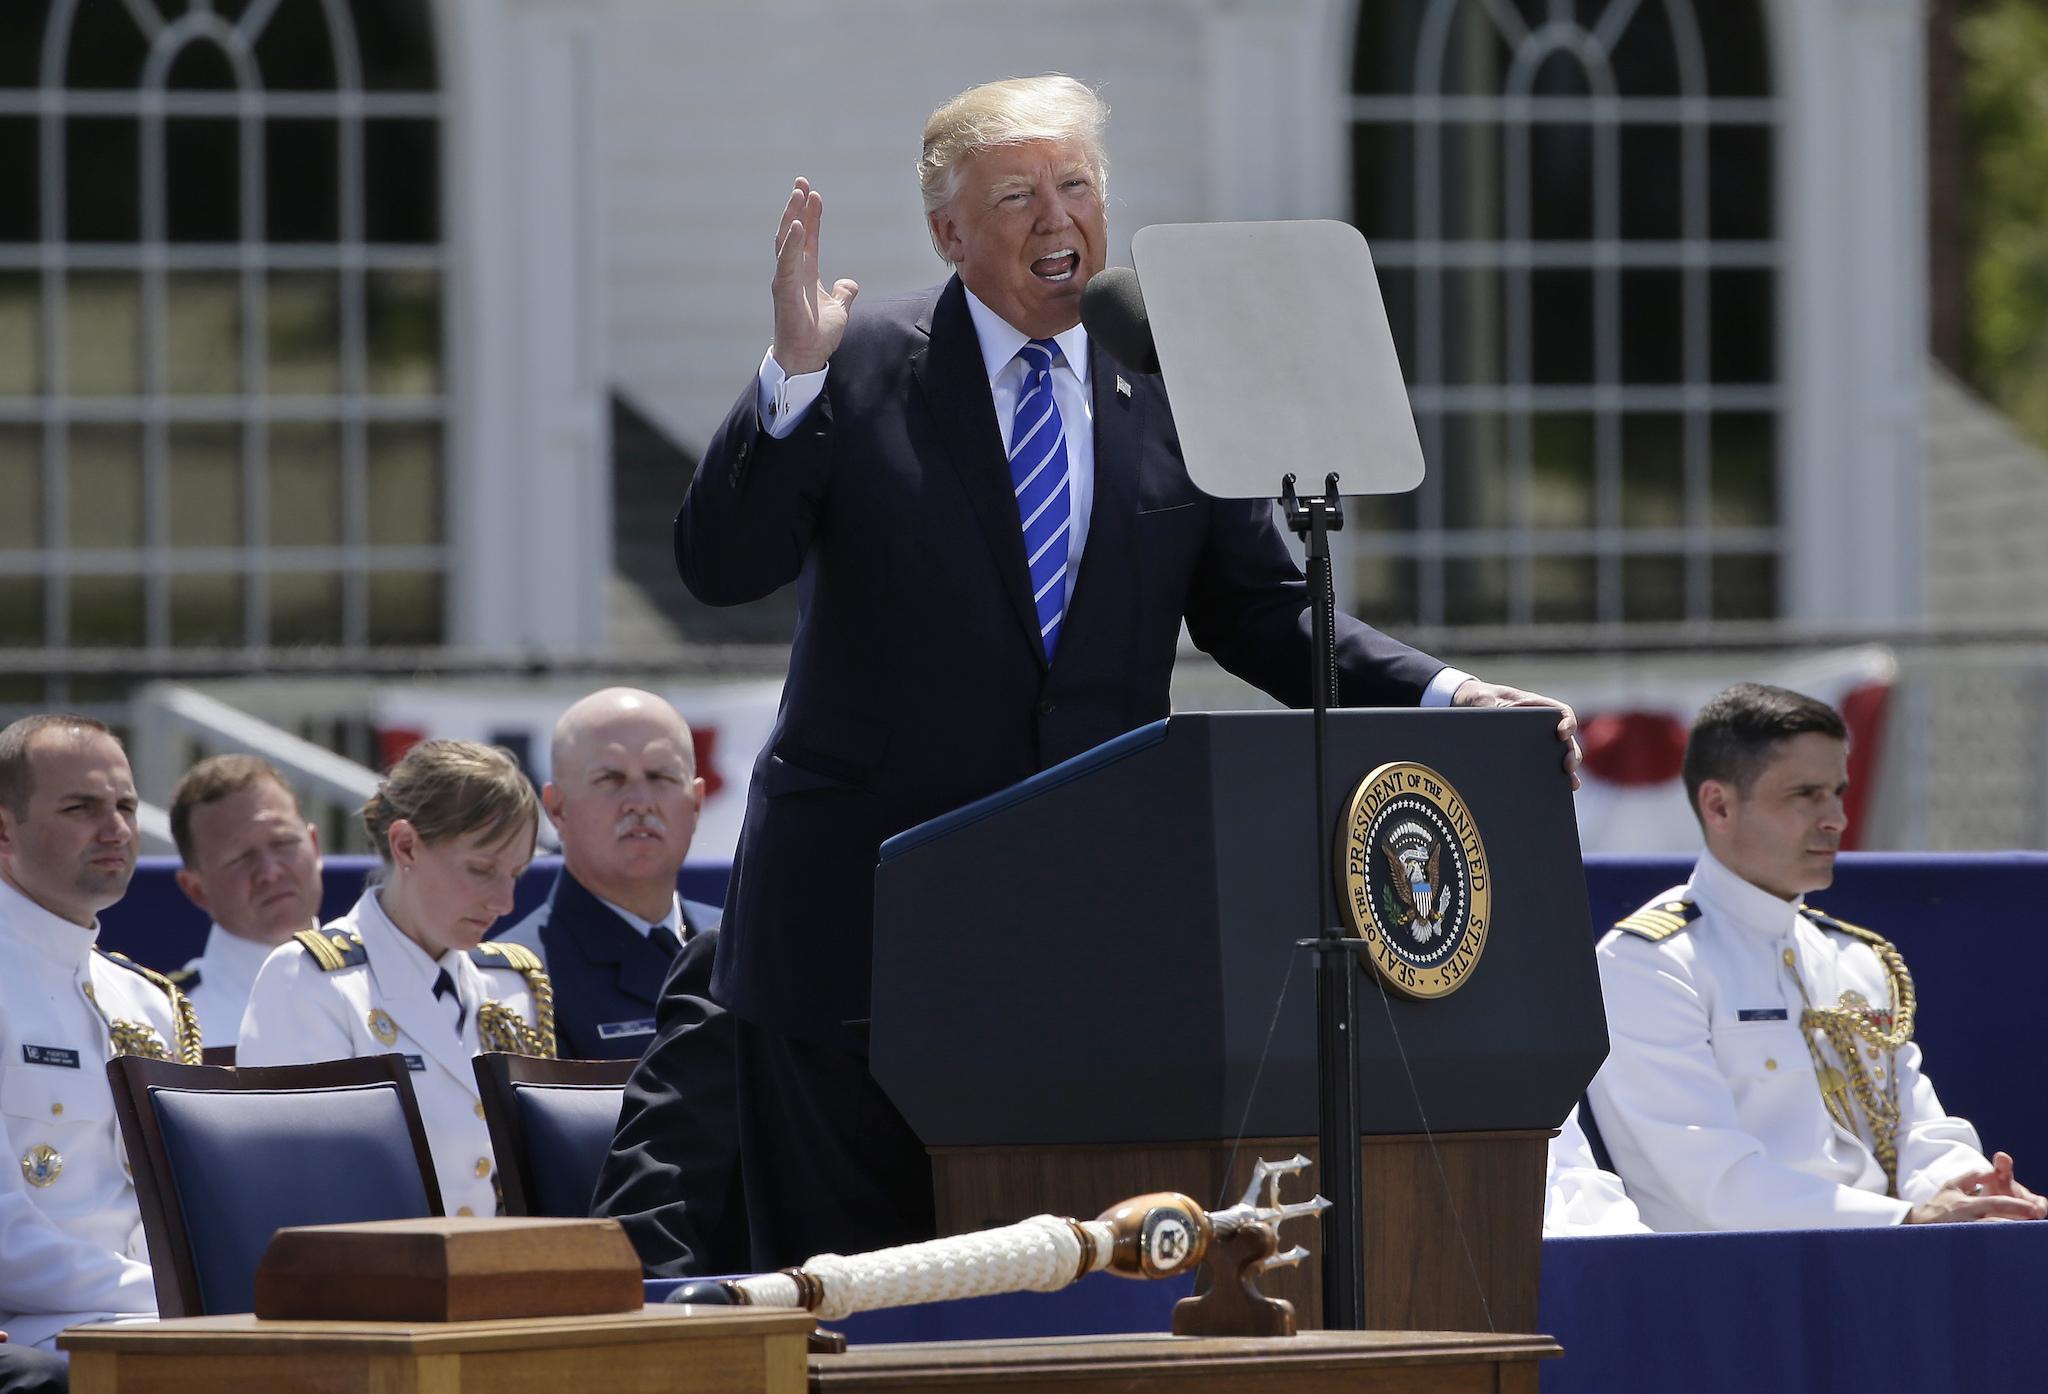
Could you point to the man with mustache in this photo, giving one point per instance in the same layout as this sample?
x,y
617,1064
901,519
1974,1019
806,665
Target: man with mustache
x,y
71,1243
624,795
1762,1073
252,862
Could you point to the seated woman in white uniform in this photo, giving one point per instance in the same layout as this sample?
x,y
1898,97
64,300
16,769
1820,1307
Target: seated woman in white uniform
x,y
406,970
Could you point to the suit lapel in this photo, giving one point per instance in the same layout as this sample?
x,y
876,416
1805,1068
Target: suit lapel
x,y
949,371
1119,440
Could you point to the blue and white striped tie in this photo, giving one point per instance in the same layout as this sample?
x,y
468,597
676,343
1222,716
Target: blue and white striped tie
x,y
1045,500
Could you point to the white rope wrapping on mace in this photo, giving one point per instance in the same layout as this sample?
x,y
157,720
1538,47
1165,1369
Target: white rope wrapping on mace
x,y
1161,1234
1041,1254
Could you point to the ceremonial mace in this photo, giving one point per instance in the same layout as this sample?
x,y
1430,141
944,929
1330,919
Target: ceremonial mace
x,y
1160,1235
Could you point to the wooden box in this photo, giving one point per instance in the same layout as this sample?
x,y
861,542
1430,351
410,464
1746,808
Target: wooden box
x,y
448,1270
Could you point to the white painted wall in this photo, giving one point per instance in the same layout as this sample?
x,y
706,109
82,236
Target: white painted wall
x,y
1852,194
530,448
709,109
619,166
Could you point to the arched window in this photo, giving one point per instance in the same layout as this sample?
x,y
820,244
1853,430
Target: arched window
x,y
221,298
1570,206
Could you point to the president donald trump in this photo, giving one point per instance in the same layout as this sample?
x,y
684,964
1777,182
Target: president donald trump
x,y
995,544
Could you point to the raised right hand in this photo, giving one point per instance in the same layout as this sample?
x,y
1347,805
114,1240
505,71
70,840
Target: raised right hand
x,y
809,319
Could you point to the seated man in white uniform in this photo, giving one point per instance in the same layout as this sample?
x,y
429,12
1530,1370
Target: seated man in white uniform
x,y
252,862
1762,1072
406,970
71,1246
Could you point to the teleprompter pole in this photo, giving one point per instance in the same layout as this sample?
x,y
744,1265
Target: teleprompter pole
x,y
1336,965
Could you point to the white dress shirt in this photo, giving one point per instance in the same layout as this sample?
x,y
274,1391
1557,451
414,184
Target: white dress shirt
x,y
672,921
784,400
1709,1101
71,1247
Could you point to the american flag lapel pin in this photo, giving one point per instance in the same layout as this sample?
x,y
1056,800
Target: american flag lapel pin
x,y
1123,388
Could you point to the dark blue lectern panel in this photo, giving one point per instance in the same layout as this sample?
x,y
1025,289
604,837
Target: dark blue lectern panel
x,y
1106,953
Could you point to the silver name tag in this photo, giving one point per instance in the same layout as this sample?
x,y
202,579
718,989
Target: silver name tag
x,y
613,1030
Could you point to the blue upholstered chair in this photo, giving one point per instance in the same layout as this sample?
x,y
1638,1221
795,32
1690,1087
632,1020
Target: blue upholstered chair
x,y
551,1127
224,1158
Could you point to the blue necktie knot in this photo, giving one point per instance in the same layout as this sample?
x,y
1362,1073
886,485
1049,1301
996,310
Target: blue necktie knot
x,y
1045,498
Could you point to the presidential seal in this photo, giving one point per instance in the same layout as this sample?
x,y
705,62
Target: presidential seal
x,y
1413,879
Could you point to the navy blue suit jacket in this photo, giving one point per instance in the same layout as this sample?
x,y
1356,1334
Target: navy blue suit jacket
x,y
607,975
673,1178
916,678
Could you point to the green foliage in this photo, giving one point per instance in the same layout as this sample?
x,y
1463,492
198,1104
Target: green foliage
x,y
2005,101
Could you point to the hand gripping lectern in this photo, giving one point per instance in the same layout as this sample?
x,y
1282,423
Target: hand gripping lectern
x,y
1089,985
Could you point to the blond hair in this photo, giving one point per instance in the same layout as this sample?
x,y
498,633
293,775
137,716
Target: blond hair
x,y
1012,111
448,789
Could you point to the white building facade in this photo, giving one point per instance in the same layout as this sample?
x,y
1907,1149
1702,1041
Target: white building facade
x,y
376,412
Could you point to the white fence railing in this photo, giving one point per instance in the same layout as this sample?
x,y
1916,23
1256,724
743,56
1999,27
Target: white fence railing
x,y
172,727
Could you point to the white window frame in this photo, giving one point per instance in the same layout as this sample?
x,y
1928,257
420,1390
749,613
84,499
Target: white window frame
x,y
1850,228
153,257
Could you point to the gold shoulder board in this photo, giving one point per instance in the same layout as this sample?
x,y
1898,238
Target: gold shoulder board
x,y
332,950
1661,920
506,956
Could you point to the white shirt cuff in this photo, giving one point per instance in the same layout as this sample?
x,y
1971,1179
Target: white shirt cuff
x,y
1443,687
783,399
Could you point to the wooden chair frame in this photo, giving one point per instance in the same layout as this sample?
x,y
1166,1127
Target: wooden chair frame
x,y
156,1188
498,1075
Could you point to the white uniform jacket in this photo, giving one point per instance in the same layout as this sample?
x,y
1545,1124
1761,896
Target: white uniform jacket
x,y
71,1247
371,993
218,982
1709,1101
1578,1197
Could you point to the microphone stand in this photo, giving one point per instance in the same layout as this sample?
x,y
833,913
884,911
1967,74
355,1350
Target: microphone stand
x,y
1313,519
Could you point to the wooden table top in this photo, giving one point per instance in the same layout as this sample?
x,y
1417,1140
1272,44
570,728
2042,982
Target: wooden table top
x,y
1106,1357
244,1334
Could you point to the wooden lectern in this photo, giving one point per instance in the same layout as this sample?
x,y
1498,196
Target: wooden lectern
x,y
1107,952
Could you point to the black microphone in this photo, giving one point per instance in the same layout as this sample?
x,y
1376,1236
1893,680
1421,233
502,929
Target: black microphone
x,y
1113,309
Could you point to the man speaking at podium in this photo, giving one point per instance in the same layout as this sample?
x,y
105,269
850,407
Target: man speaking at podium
x,y
995,543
